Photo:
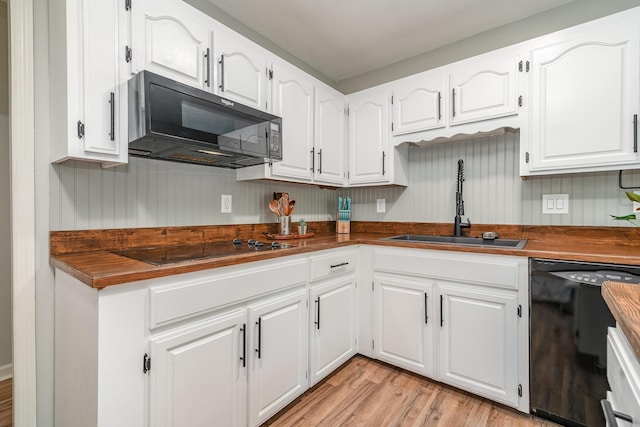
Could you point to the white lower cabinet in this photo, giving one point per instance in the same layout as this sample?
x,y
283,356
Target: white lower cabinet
x,y
200,371
199,374
479,340
623,374
278,354
332,325
455,317
403,325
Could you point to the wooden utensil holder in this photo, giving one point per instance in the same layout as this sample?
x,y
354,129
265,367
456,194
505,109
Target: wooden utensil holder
x,y
343,226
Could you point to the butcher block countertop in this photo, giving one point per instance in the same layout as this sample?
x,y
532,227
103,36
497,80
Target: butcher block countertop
x,y
623,300
89,256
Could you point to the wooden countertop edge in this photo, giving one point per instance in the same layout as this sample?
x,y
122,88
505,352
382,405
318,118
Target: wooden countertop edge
x,y
623,299
131,270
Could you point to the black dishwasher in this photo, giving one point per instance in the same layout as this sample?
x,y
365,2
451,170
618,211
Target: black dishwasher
x,y
568,338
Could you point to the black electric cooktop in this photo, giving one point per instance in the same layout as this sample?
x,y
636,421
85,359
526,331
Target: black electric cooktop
x,y
176,254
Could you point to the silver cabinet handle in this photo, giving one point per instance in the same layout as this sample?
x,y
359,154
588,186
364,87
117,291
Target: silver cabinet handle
x,y
384,155
342,264
453,102
313,159
320,161
610,415
439,106
318,321
635,133
259,349
426,313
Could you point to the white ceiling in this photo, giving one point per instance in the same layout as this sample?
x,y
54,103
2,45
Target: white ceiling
x,y
346,38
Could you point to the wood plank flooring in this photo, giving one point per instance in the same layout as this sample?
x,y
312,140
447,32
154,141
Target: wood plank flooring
x,y
365,392
6,403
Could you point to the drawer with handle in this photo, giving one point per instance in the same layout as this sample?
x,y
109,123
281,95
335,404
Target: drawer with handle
x,y
334,263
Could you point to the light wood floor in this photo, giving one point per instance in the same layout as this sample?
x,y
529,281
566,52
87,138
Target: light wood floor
x,y
6,403
368,393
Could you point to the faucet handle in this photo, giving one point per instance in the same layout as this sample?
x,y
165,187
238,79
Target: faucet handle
x,y
467,224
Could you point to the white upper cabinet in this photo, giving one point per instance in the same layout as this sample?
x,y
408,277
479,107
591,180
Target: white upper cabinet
x,y
293,100
371,159
418,103
241,69
584,98
87,64
330,136
484,88
171,38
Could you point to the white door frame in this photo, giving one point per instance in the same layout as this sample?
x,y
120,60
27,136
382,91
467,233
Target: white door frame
x,y
23,267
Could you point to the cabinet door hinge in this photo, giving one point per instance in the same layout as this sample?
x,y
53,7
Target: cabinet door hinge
x,y
391,126
127,4
523,66
526,157
520,66
520,101
519,390
306,375
519,310
346,111
373,344
372,286
527,68
270,73
391,99
128,54
80,130
146,363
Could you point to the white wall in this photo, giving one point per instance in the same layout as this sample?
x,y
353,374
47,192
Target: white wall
x,y
5,241
493,191
153,193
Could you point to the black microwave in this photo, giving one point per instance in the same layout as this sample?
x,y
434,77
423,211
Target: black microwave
x,y
172,121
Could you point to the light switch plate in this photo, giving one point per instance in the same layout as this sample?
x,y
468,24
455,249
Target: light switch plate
x,y
555,204
380,206
225,203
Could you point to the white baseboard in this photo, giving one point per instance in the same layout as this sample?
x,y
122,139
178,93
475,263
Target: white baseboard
x,y
6,372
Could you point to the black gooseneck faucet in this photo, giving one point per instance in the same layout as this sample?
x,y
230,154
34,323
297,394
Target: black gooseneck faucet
x,y
458,225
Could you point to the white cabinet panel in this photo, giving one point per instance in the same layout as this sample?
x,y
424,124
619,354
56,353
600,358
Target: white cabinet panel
x,y
90,120
369,137
293,100
172,39
278,354
418,103
333,326
241,69
330,137
484,89
479,341
199,378
403,323
585,94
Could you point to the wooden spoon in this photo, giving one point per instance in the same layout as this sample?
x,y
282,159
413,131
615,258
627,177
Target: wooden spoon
x,y
292,205
274,207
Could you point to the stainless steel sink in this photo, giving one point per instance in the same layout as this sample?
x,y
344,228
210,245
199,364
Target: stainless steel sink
x,y
462,241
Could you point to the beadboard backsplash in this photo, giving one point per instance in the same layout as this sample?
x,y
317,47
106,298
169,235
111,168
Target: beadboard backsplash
x,y
151,193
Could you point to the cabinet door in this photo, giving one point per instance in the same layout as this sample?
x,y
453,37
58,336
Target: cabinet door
x,y
171,38
584,97
369,137
484,89
198,377
241,69
417,103
330,141
333,326
102,95
403,328
279,354
479,341
293,101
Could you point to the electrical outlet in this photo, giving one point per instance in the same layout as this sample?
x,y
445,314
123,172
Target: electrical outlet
x,y
380,206
225,203
555,204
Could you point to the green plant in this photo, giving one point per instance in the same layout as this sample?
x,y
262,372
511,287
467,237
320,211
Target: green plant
x,y
631,217
302,222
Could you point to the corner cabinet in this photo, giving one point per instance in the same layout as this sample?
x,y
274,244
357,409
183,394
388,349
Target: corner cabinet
x,y
585,98
372,161
88,67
